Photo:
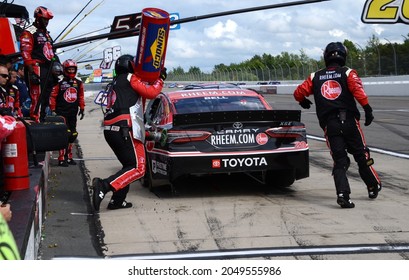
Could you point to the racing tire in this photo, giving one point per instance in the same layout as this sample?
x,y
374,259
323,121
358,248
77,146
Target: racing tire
x,y
54,119
47,136
280,178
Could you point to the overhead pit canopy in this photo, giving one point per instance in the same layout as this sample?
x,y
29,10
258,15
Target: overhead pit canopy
x,y
13,11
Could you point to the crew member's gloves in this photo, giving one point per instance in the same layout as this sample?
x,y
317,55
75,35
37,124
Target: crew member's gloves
x,y
163,73
306,104
368,115
81,113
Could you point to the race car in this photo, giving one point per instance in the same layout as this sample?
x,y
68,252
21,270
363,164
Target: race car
x,y
201,132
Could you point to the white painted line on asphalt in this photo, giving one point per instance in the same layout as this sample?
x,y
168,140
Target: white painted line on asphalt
x,y
381,151
264,252
81,214
259,253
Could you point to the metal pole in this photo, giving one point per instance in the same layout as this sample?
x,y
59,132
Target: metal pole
x,y
289,70
363,53
298,69
246,10
379,60
394,56
72,20
282,72
275,72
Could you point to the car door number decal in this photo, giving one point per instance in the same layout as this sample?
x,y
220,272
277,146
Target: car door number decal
x,y
386,11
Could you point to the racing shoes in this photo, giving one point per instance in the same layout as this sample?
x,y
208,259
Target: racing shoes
x,y
373,192
344,201
70,161
100,188
112,205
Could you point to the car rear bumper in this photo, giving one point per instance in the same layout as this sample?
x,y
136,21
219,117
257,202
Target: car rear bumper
x,y
168,166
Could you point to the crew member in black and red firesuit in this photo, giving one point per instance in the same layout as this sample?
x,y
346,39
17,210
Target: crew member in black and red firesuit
x,y
6,101
38,55
124,136
335,89
65,100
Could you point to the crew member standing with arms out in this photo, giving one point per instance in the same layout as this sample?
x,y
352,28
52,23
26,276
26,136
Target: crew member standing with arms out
x,y
38,55
335,89
119,130
66,97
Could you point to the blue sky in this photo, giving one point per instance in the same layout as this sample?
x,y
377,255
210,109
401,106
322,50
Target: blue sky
x,y
227,39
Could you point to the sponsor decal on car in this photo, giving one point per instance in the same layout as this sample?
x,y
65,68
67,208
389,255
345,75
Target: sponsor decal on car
x,y
238,136
238,139
211,93
232,139
239,162
261,138
300,145
159,167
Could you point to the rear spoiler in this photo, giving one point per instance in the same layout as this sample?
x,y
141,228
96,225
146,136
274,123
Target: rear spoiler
x,y
242,116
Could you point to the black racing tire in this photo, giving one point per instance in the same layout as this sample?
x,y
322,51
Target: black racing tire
x,y
46,136
54,119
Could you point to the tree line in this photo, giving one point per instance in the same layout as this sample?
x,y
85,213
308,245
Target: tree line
x,y
373,59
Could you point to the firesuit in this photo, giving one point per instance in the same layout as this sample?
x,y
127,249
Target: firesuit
x,y
335,89
127,90
66,97
38,55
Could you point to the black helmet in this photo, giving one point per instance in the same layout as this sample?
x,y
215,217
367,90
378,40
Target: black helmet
x,y
124,64
335,52
57,69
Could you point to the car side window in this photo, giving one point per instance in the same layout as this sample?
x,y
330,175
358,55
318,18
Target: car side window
x,y
151,109
159,114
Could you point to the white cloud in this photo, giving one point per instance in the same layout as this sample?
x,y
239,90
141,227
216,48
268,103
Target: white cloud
x,y
337,33
221,30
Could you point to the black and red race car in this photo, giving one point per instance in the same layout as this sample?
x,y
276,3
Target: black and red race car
x,y
228,130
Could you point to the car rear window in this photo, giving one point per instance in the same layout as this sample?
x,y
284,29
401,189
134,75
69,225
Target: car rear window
x,y
218,104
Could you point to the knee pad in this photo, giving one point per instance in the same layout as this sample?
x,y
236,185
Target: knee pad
x,y
365,163
364,160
